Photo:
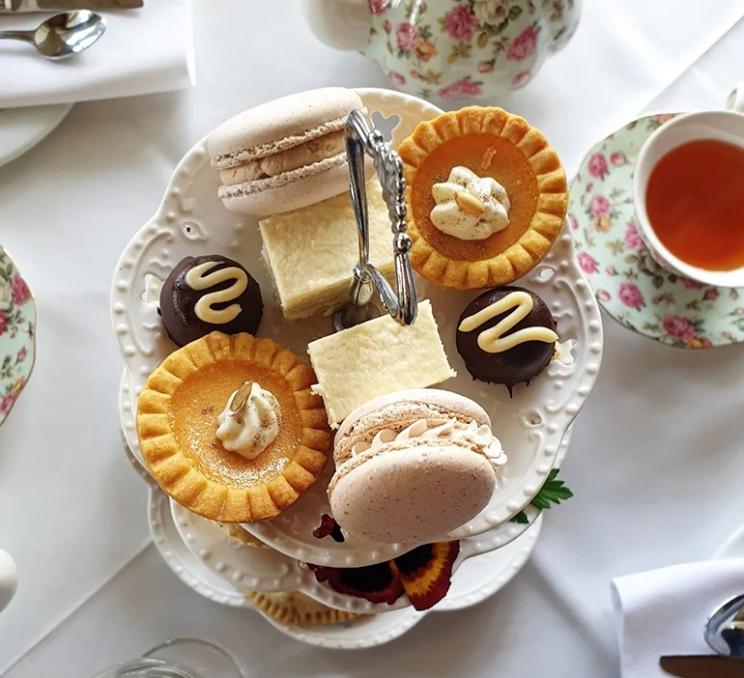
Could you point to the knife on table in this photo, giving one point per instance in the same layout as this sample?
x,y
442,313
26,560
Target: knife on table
x,y
703,666
21,6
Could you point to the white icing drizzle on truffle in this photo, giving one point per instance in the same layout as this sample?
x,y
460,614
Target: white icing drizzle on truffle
x,y
493,340
199,278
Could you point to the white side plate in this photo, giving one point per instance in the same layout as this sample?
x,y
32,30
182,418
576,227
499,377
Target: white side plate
x,y
22,128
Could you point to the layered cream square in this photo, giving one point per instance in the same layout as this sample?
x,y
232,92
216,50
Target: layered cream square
x,y
311,252
377,357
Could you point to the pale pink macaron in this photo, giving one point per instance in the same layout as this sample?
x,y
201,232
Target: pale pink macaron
x,y
414,465
285,154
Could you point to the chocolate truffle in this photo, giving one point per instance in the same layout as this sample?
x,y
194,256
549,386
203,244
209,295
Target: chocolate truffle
x,y
506,336
208,293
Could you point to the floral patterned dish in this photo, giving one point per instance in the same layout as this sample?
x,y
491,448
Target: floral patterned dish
x,y
628,283
17,333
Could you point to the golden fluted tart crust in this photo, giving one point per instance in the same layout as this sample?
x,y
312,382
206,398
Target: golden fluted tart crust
x,y
491,143
177,423
296,609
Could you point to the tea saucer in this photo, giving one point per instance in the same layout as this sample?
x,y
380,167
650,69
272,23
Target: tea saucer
x,y
628,283
17,333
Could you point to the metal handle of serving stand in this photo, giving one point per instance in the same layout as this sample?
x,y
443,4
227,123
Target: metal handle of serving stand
x,y
362,138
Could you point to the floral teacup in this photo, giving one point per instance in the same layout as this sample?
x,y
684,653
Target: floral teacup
x,y
725,126
628,282
449,49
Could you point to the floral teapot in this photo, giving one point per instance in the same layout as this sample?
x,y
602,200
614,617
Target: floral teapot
x,y
449,49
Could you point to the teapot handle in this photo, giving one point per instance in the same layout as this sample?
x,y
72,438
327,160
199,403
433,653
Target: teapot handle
x,y
8,578
339,24
735,100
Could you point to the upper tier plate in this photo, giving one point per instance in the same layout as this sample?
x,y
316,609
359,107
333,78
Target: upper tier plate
x,y
192,221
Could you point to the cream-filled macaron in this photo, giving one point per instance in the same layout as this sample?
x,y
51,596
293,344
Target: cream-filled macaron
x,y
285,154
414,465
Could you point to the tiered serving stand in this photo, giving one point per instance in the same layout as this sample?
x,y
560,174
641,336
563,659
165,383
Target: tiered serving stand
x,y
533,425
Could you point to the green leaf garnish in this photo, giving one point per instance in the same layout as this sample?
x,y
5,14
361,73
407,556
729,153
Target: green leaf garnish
x,y
553,491
520,518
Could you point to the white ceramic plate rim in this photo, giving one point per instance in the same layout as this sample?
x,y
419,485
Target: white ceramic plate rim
x,y
302,579
214,588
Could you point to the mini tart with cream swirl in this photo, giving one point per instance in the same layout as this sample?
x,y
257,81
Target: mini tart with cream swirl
x,y
491,151
178,419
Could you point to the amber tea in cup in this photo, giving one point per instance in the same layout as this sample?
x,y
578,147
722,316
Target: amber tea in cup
x,y
695,203
688,195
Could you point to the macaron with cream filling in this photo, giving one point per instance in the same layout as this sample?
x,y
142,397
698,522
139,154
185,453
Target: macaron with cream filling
x,y
285,154
413,465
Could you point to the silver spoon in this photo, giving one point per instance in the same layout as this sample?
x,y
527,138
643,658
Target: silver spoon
x,y
724,630
62,35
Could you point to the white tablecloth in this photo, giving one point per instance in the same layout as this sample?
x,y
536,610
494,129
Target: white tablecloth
x,y
656,461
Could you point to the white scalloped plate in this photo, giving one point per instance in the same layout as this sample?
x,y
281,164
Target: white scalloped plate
x,y
268,570
209,543
128,428
241,568
191,221
493,571
480,578
367,632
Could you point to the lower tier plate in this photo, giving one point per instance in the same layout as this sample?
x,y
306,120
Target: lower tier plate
x,y
478,579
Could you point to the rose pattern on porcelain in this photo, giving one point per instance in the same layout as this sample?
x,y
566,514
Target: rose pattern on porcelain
x,y
627,280
17,333
450,49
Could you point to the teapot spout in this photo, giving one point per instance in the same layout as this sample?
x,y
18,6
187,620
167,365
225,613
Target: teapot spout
x,y
340,24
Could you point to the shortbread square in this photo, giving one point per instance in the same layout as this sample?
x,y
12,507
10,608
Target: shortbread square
x,y
311,252
377,357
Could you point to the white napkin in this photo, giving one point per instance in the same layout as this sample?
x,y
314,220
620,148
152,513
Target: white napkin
x,y
664,611
142,51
